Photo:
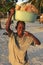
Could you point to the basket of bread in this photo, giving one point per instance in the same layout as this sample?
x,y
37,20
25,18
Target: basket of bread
x,y
26,12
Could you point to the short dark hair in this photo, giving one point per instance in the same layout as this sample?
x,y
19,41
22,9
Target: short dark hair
x,y
20,22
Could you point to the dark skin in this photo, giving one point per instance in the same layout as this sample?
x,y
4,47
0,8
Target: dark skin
x,y
20,29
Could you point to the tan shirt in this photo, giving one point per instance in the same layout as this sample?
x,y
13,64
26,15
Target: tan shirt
x,y
16,54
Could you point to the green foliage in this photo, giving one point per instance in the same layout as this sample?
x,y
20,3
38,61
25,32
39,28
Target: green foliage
x,y
6,7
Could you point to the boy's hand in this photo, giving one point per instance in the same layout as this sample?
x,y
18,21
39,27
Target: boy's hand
x,y
12,11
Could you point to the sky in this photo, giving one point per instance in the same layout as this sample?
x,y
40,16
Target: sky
x,y
22,0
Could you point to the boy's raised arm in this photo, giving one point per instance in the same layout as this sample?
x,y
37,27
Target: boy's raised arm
x,y
8,23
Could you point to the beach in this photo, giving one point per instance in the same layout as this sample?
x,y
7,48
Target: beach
x,y
35,53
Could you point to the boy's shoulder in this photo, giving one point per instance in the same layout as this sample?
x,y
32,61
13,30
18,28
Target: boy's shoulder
x,y
27,33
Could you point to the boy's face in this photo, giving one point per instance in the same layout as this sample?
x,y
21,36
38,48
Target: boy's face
x,y
20,29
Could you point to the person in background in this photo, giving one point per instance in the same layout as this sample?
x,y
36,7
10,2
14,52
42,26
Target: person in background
x,y
19,42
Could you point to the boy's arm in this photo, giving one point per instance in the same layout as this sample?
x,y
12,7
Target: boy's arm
x,y
8,23
35,40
